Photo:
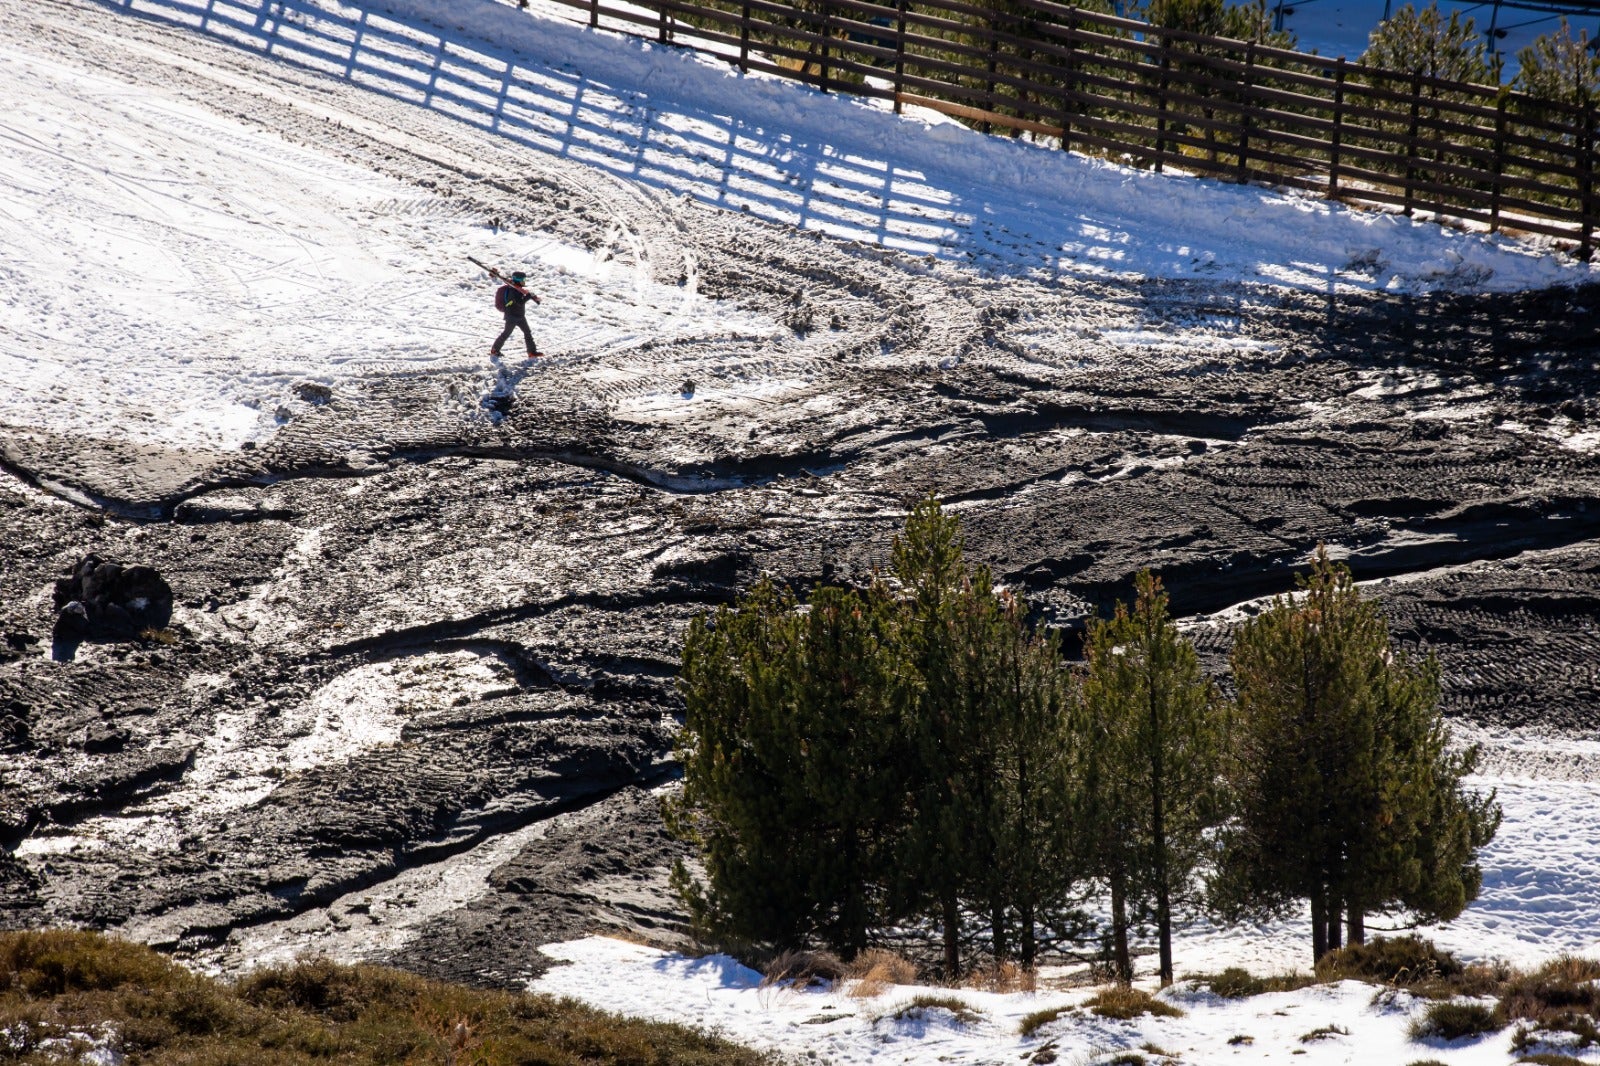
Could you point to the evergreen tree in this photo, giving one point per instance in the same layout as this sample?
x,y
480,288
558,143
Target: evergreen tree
x,y
1156,732
869,758
1560,67
1424,42
1347,795
1247,21
1036,769
789,719
949,622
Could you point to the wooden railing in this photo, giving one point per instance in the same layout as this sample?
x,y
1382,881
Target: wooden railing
x,y
1166,98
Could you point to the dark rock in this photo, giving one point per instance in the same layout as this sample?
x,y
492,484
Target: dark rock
x,y
72,624
108,601
15,731
313,392
104,738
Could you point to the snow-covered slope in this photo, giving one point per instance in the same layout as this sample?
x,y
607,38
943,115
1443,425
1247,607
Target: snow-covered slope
x,y
172,273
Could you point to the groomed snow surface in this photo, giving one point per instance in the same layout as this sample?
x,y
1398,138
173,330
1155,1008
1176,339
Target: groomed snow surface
x,y
170,275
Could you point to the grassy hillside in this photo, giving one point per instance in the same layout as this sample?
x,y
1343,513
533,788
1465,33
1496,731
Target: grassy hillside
x,y
69,994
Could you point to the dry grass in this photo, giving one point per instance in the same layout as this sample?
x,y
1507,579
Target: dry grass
x,y
1400,961
1003,977
1126,1003
804,968
1455,1021
1415,965
964,1012
1032,1023
1238,983
877,970
57,984
1561,986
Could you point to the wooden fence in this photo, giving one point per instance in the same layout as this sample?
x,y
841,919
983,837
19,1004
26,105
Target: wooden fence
x,y
1166,98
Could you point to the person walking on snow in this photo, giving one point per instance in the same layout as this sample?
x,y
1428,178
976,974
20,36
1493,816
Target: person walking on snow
x,y
512,298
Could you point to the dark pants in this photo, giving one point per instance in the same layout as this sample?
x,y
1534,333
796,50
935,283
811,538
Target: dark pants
x,y
516,322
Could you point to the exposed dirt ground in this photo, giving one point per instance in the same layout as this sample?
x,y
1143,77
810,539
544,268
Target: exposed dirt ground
x,y
421,681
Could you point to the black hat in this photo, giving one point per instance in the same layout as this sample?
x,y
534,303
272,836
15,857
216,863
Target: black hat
x,y
517,275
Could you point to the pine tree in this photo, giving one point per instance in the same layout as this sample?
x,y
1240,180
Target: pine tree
x,y
948,840
787,791
1560,67
1036,765
868,758
1424,42
1157,731
1247,21
1346,792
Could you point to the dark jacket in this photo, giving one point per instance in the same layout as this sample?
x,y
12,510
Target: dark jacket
x,y
512,300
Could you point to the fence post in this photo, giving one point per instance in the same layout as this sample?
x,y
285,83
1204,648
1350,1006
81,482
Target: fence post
x,y
1411,140
1499,165
1338,129
994,63
899,53
594,13
665,34
822,64
1161,101
744,38
1586,199
1071,67
1244,111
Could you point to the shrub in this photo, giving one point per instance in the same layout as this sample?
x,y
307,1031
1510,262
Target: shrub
x,y
1238,983
1032,1023
49,963
1550,1058
1454,1021
319,986
1323,1033
1399,961
803,968
1581,1026
1003,977
1562,985
1478,979
964,1012
1125,1003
